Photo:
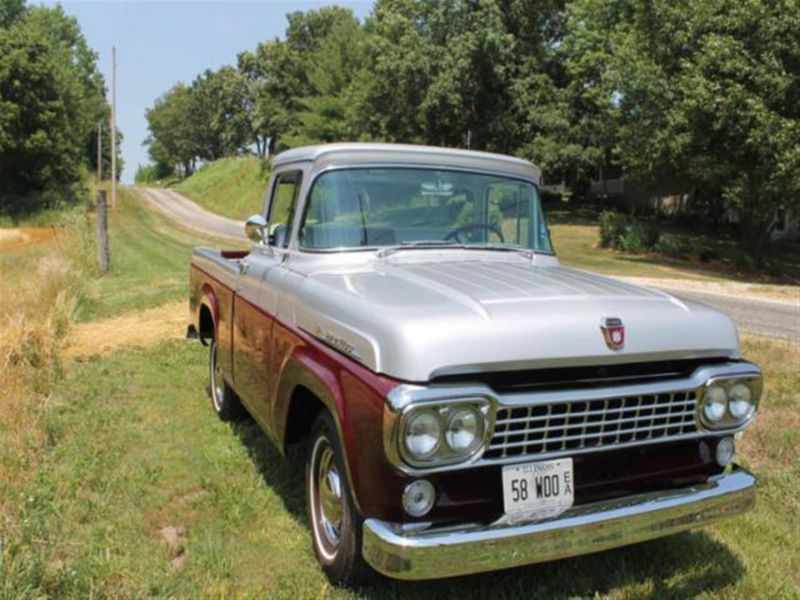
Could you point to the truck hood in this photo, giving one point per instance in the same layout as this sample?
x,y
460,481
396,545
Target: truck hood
x,y
415,319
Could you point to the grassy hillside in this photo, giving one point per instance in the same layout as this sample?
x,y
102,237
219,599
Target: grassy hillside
x,y
233,187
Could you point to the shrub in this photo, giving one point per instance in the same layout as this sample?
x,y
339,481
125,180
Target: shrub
x,y
612,227
152,173
674,247
638,237
625,233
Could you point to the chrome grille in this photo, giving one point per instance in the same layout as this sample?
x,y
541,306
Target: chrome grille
x,y
580,425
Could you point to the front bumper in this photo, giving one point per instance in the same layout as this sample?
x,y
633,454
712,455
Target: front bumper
x,y
448,552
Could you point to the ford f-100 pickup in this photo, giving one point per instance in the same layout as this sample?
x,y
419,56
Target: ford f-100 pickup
x,y
466,402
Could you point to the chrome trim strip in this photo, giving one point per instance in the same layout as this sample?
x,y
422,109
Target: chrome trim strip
x,y
449,552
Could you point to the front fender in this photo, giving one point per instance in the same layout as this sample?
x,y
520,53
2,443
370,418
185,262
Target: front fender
x,y
355,398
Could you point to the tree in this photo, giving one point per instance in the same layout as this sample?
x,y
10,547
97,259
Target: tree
x,y
172,142
290,98
707,94
334,68
218,110
470,74
51,98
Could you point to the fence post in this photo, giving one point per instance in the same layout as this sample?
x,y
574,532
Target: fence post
x,y
102,232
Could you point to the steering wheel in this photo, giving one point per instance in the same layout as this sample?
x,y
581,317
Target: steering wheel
x,y
470,227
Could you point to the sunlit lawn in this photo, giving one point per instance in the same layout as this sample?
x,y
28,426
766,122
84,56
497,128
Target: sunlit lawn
x,y
575,237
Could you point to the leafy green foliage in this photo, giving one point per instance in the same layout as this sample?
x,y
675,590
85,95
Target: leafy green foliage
x,y
625,233
152,173
705,94
51,99
676,97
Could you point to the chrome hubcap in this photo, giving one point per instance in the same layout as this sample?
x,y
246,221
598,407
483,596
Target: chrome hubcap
x,y
326,498
217,381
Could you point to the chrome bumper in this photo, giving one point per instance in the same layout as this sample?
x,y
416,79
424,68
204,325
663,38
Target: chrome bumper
x,y
449,552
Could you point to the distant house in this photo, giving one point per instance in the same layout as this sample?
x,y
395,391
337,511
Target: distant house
x,y
786,224
634,197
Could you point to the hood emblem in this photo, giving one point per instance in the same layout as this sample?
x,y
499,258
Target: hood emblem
x,y
613,332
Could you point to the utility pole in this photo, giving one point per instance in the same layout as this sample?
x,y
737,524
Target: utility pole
x,y
113,128
99,152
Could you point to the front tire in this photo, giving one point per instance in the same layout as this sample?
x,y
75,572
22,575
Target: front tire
x,y
336,524
224,400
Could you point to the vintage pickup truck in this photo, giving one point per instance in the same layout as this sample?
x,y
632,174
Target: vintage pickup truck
x,y
466,403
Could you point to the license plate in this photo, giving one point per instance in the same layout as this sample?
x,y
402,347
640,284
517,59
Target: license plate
x,y
538,490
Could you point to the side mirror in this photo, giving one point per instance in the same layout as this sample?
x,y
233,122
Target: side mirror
x,y
255,228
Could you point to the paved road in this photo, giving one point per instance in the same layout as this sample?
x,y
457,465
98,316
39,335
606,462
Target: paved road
x,y
189,214
753,315
777,319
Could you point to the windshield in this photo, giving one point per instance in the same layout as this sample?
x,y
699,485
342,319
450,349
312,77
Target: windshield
x,y
374,208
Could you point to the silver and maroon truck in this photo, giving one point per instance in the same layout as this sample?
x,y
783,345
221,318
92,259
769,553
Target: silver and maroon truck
x,y
466,402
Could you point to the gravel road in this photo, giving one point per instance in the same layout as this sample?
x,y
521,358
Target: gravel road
x,y
189,214
773,318
753,315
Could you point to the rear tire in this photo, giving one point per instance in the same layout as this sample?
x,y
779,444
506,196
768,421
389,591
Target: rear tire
x,y
336,525
224,400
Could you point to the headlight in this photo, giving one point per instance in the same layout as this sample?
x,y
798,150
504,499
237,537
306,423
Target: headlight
x,y
442,432
715,403
729,402
464,430
423,433
740,401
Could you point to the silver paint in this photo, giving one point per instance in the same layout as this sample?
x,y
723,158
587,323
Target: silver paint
x,y
417,314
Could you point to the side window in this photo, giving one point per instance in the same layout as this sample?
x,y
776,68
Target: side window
x,y
282,206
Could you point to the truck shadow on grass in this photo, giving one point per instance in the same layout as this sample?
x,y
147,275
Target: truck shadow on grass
x,y
678,566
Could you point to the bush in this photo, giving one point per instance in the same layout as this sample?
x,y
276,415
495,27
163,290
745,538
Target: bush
x,y
612,227
625,233
152,173
674,247
638,237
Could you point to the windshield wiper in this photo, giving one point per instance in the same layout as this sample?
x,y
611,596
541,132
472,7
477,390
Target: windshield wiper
x,y
501,248
416,245
421,244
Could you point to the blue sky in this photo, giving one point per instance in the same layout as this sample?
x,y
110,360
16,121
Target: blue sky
x,y
161,43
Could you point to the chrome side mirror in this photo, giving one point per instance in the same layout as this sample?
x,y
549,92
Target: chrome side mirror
x,y
255,228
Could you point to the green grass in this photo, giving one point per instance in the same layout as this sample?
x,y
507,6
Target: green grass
x,y
149,261
233,187
575,237
135,448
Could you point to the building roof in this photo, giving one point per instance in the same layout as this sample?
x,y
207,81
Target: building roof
x,y
371,154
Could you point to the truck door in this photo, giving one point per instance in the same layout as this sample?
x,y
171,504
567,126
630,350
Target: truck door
x,y
256,299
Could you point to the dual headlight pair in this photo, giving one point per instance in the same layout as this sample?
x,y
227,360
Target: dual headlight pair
x,y
443,433
729,403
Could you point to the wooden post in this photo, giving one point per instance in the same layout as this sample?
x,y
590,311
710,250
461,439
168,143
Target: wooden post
x,y
102,232
113,131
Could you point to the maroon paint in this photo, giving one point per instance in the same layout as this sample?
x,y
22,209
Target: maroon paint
x,y
357,397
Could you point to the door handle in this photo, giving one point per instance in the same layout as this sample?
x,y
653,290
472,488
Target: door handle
x,y
243,268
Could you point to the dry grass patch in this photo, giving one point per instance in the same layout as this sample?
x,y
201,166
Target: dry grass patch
x,y
139,328
12,240
40,287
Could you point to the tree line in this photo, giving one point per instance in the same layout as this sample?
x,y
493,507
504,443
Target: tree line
x,y
698,97
52,97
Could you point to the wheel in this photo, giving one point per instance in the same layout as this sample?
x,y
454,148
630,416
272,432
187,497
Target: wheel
x,y
334,519
224,400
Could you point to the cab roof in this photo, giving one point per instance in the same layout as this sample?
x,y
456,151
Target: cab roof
x,y
372,154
